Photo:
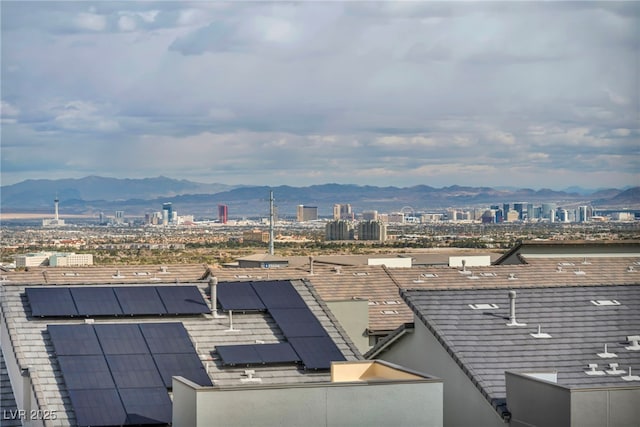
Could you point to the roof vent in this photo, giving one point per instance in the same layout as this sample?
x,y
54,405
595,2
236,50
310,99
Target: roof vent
x,y
117,275
606,354
540,334
249,373
418,280
631,377
512,310
373,302
338,269
512,276
566,264
593,370
473,277
389,312
614,369
579,272
361,273
464,268
605,302
634,341
559,268
163,269
630,269
488,274
231,323
89,321
392,302
429,275
585,262
484,306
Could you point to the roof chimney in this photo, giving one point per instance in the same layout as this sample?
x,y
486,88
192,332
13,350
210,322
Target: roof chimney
x,y
512,310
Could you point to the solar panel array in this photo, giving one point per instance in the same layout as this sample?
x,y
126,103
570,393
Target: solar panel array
x,y
308,341
116,374
115,301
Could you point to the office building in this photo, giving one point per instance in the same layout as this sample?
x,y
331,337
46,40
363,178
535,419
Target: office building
x,y
521,208
307,213
223,213
167,213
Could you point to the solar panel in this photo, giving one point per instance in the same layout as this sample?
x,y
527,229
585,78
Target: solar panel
x,y
297,322
278,294
98,407
186,365
276,353
183,299
85,372
146,405
238,296
51,302
96,301
239,354
121,339
74,339
139,300
134,371
316,352
166,338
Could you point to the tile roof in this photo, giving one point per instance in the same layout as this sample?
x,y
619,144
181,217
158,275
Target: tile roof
x,y
34,348
7,398
485,347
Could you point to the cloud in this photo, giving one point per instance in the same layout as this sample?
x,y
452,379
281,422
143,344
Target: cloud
x,y
292,93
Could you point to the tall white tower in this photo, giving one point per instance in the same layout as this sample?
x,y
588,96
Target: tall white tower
x,y
55,204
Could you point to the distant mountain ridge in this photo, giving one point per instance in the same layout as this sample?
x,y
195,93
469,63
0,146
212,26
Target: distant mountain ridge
x,y
139,196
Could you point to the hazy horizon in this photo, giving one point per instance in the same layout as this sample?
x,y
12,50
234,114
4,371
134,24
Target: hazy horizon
x,y
483,94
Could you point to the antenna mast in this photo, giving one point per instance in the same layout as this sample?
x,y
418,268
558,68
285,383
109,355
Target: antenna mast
x,y
271,220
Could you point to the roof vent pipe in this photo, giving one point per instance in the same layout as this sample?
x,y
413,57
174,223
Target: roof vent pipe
x,y
213,292
512,310
464,265
311,265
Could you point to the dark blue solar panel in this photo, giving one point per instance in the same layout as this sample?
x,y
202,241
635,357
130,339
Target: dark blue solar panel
x,y
278,294
98,407
51,302
74,339
186,365
238,296
276,353
316,352
239,354
146,405
297,322
85,372
183,299
134,371
121,339
96,301
139,300
166,338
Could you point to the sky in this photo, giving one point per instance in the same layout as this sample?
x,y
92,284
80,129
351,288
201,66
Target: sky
x,y
391,93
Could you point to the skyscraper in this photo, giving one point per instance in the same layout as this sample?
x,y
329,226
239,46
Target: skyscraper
x,y
342,212
167,211
223,212
307,213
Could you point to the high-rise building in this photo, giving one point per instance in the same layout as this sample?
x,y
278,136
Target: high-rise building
x,y
223,213
167,211
342,212
520,208
370,215
339,230
119,217
307,213
372,230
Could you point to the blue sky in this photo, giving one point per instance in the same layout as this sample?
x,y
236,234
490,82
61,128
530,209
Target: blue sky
x,y
382,93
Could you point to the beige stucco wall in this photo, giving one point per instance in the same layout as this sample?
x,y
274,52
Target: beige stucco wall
x,y
404,403
464,405
353,316
533,402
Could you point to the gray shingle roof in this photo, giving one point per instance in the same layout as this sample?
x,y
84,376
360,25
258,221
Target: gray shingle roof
x,y
485,347
7,398
35,350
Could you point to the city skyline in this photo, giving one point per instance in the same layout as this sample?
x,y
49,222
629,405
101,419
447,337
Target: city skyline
x,y
529,95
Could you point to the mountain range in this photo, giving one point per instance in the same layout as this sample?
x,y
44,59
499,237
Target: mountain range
x,y
95,194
